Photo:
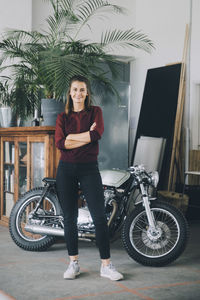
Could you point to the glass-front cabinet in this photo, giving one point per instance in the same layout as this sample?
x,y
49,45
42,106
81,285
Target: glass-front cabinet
x,y
37,163
25,161
8,176
22,168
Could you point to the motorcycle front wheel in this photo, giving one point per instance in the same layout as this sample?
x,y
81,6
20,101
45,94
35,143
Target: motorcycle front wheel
x,y
21,215
155,249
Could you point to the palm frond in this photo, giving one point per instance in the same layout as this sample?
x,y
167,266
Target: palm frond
x,y
68,5
87,9
63,20
58,70
23,36
131,38
102,86
12,49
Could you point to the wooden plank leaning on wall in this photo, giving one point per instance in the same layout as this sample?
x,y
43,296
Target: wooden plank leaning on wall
x,y
194,165
174,164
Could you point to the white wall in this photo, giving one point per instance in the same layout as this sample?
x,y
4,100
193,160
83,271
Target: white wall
x,y
40,11
15,14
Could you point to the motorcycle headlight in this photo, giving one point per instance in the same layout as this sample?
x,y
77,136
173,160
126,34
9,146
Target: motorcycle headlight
x,y
154,178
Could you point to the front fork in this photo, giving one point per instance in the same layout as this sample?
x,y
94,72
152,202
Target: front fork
x,y
46,189
146,204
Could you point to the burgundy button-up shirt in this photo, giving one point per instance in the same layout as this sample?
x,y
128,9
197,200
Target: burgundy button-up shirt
x,y
78,122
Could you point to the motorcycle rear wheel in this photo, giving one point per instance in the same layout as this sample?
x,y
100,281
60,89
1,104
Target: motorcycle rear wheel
x,y
163,248
19,218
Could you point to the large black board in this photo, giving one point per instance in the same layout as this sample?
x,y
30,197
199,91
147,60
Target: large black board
x,y
158,110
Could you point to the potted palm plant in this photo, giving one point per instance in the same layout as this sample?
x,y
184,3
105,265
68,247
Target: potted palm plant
x,y
12,110
47,60
5,111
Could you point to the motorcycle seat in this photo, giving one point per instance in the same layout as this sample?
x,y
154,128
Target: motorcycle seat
x,y
49,180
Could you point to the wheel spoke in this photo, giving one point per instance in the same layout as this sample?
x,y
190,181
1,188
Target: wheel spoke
x,y
159,244
24,217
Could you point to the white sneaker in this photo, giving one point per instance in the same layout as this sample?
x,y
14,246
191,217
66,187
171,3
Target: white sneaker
x,y
110,272
72,271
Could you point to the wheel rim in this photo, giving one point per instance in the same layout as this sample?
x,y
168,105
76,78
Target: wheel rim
x,y
166,239
24,212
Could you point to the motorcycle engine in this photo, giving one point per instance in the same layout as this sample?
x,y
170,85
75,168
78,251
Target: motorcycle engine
x,y
108,195
85,221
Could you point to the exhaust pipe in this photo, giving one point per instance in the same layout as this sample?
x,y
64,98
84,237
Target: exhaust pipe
x,y
55,231
114,204
45,230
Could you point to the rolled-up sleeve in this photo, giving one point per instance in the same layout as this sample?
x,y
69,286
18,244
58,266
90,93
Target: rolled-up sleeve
x,y
59,133
96,134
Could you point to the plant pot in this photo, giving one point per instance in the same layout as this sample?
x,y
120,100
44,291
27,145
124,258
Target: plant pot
x,y
7,118
50,108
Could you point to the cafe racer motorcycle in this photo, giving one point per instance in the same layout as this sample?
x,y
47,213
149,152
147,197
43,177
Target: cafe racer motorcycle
x,y
154,233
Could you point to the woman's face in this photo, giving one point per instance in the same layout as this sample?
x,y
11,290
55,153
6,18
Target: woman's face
x,y
78,92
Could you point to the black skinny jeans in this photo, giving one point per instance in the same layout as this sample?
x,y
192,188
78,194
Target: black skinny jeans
x,y
67,179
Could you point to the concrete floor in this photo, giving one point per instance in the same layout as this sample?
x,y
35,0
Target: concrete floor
x,y
38,276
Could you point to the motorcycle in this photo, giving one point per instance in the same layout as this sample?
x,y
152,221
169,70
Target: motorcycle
x,y
154,233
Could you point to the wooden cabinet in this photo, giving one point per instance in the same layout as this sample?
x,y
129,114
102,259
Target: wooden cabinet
x,y
27,154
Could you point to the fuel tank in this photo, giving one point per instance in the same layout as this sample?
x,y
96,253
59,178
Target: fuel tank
x,y
114,177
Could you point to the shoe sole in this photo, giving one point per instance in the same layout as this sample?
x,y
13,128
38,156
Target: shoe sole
x,y
72,277
111,278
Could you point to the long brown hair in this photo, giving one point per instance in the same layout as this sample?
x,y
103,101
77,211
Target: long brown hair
x,y
88,100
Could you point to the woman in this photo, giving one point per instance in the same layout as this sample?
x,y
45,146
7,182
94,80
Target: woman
x,y
78,130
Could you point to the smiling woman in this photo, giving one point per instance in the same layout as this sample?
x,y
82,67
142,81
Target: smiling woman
x,y
78,93
78,130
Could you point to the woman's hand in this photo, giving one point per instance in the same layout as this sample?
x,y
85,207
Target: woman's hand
x,y
70,144
93,126
79,139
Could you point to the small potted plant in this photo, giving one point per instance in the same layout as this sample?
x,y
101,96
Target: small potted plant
x,y
7,116
17,100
